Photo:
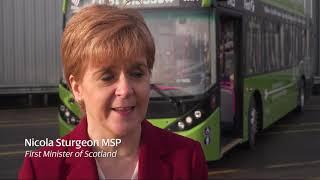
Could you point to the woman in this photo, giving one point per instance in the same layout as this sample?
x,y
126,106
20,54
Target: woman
x,y
108,54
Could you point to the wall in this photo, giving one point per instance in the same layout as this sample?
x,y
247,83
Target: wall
x,y
30,33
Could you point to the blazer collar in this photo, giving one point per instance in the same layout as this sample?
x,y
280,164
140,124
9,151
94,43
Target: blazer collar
x,y
152,155
81,167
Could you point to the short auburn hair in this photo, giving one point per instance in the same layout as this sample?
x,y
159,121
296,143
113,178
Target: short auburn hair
x,y
98,33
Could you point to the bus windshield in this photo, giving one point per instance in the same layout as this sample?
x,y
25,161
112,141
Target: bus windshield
x,y
74,5
182,62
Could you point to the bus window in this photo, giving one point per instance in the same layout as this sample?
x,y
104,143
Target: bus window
x,y
254,43
182,56
75,5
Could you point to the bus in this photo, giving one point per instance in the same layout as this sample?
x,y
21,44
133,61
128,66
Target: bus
x,y
224,69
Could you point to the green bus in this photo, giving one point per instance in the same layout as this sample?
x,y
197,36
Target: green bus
x,y
224,69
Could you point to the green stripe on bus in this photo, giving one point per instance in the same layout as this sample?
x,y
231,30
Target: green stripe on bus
x,y
64,6
206,3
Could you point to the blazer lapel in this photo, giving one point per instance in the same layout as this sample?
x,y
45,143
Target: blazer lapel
x,y
153,163
81,167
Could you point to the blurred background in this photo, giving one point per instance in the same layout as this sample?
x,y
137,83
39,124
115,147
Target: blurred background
x,y
30,66
30,72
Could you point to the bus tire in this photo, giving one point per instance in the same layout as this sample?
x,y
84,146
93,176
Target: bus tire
x,y
301,97
252,123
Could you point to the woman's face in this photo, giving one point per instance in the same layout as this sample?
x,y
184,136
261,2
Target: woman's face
x,y
115,95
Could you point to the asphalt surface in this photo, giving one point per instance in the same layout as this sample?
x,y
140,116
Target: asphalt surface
x,y
15,126
290,149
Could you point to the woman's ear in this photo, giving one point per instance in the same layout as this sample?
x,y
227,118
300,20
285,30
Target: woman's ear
x,y
76,88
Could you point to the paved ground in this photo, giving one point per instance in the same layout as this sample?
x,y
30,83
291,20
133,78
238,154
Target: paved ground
x,y
289,149
15,126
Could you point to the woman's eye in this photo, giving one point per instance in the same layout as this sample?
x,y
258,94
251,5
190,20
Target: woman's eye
x,y
107,78
137,74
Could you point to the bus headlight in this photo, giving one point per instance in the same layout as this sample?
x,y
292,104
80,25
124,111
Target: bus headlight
x,y
194,117
67,113
189,120
67,106
68,116
62,108
181,125
73,120
197,114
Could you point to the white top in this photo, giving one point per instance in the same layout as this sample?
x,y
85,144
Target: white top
x,y
102,177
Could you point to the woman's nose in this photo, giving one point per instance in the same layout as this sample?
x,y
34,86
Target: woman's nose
x,y
124,88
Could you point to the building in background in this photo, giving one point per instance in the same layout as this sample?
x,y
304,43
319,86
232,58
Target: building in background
x,y
30,32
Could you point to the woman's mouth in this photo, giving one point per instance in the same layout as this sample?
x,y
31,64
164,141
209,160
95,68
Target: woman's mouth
x,y
123,110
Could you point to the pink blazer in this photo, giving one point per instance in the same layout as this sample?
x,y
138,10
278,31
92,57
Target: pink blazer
x,y
162,155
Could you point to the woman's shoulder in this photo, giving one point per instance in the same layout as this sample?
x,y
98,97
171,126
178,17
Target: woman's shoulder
x,y
56,144
169,139
181,152
49,160
51,151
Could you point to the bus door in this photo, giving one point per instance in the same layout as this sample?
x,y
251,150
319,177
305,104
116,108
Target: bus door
x,y
229,57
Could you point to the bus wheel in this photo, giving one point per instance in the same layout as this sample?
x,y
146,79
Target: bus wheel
x,y
253,123
301,98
